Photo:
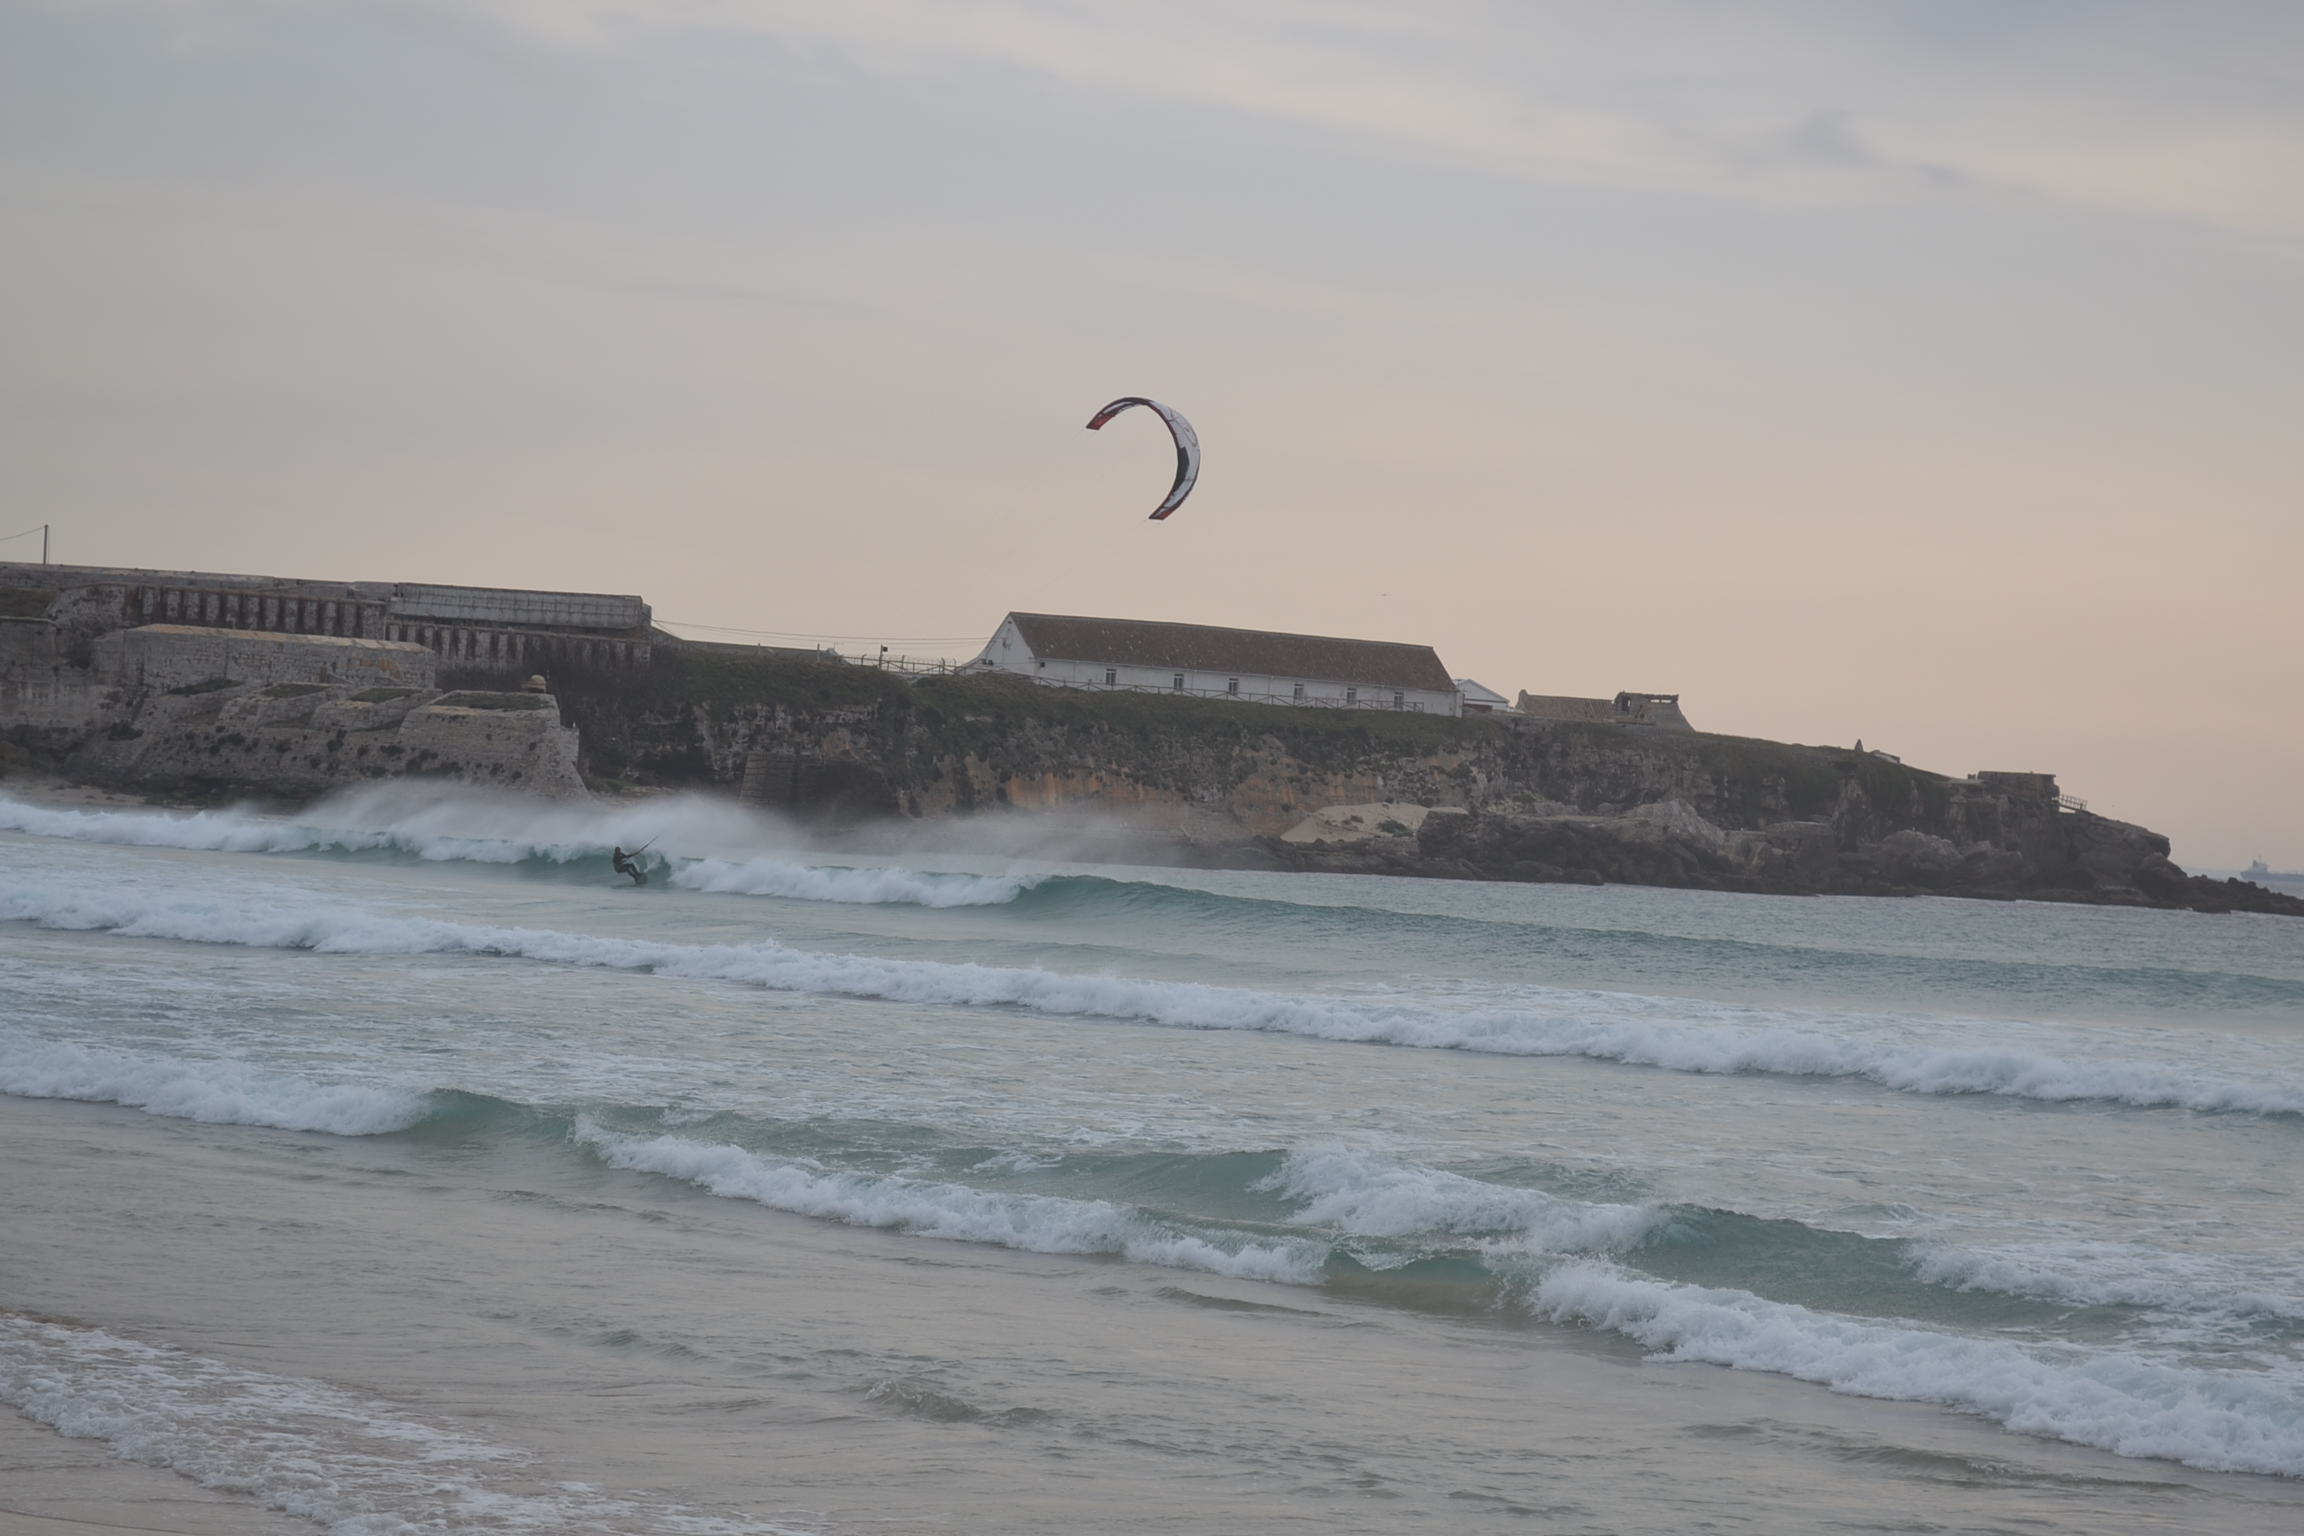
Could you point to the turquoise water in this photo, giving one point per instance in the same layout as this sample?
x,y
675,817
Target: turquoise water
x,y
399,1165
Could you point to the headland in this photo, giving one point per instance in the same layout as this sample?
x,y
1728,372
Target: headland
x,y
196,688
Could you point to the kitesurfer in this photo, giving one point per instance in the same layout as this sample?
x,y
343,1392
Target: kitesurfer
x,y
624,866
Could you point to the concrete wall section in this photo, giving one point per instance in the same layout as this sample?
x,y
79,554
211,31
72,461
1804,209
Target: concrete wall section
x,y
492,605
166,656
528,649
38,688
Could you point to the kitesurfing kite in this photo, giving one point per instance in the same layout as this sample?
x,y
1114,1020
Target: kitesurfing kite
x,y
1187,448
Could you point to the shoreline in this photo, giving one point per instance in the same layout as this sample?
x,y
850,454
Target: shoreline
x,y
54,1484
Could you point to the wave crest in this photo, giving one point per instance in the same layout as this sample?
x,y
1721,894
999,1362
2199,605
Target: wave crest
x,y
1573,1024
212,1092
2115,1402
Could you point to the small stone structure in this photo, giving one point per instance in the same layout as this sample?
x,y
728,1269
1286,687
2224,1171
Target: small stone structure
x,y
170,656
1657,709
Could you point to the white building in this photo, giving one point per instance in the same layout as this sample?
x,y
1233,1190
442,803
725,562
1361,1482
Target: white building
x,y
1198,659
1482,700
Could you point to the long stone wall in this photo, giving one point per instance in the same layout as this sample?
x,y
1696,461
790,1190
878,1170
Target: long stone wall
x,y
166,656
468,626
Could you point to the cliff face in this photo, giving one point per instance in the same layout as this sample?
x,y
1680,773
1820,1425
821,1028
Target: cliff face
x,y
1197,780
293,741
1500,799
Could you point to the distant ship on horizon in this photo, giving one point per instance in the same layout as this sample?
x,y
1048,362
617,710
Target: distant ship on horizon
x,y
2257,872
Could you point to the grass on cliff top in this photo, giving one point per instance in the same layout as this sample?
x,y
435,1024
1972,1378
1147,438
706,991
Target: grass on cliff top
x,y
793,682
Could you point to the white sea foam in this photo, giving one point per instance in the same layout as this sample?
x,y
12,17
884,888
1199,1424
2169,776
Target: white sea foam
x,y
1370,1196
355,1465
863,886
2218,1422
213,831
440,837
955,1212
214,1092
246,832
2097,1274
1602,1027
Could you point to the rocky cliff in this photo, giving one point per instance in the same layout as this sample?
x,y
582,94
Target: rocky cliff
x,y
1482,798
1165,777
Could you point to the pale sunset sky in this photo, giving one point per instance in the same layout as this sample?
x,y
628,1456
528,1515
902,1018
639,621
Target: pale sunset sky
x,y
1924,371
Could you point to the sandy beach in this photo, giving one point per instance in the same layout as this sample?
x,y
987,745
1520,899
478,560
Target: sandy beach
x,y
51,1485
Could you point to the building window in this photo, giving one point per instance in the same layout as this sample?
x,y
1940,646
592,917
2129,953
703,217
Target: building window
x,y
1111,677
1179,682
1231,685
1299,693
1351,695
1398,698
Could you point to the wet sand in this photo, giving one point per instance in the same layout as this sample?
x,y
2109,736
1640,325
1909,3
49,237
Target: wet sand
x,y
54,1486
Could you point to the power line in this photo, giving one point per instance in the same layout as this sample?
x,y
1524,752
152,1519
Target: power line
x,y
27,533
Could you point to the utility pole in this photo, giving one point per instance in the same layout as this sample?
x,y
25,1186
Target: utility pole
x,y
42,530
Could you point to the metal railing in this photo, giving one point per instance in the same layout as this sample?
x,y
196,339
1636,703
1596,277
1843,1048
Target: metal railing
x,y
2071,803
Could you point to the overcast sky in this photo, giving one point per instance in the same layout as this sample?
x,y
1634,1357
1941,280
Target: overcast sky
x,y
1924,372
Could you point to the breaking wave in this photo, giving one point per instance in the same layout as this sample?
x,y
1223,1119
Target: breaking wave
x,y
1597,1026
584,852
212,1092
2108,1399
570,844
959,1213
1332,1217
864,885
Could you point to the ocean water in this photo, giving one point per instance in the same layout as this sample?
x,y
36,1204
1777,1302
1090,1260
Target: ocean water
x,y
400,1167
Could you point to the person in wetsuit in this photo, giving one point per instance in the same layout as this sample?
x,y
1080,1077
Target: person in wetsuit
x,y
625,866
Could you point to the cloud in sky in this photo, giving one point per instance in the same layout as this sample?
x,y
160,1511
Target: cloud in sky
x,y
2190,112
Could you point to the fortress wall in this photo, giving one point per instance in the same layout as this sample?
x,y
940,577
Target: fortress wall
x,y
38,688
165,656
472,626
503,605
519,649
